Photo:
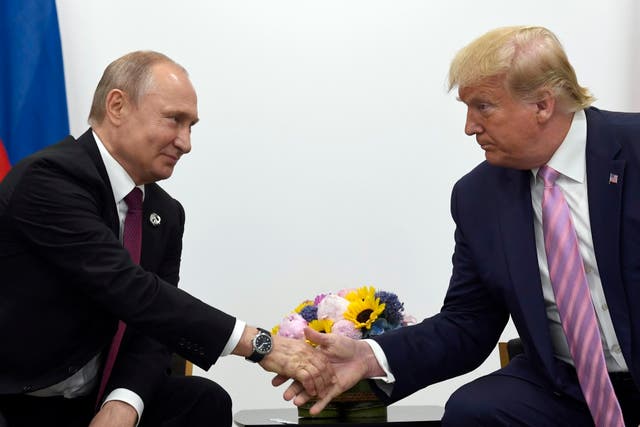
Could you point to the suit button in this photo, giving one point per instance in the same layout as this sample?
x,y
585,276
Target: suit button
x,y
27,388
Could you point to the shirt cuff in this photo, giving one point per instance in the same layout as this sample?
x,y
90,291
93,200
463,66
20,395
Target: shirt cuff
x,y
384,383
127,396
234,339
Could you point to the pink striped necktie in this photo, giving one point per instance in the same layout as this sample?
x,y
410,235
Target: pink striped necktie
x,y
578,317
132,241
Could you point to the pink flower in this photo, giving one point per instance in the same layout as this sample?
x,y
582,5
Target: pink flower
x,y
332,307
346,328
292,326
318,299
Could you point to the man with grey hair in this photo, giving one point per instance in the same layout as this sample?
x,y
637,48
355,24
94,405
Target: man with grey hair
x,y
547,232
90,251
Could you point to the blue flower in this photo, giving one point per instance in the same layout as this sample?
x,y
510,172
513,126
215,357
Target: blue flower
x,y
309,313
393,310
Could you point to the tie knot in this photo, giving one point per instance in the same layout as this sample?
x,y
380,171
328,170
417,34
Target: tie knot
x,y
548,175
134,200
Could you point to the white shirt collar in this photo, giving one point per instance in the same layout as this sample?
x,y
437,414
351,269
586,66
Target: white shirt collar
x,y
121,182
570,158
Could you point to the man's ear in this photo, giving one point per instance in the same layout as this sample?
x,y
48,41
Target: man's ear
x,y
116,106
545,106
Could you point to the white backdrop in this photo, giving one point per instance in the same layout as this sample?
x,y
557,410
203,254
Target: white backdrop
x,y
328,144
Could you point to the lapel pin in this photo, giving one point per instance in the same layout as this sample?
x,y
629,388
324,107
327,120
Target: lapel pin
x,y
155,219
613,178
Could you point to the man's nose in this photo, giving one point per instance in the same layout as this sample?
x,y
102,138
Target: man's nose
x,y
471,127
183,141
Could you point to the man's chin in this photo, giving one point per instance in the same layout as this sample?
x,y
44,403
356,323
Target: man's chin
x,y
163,174
494,160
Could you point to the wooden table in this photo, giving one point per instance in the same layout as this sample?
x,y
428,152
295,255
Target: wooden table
x,y
399,416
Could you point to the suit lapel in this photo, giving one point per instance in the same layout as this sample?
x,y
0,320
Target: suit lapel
x,y
516,223
605,210
110,211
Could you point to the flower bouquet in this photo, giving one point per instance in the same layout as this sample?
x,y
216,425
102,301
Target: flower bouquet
x,y
356,313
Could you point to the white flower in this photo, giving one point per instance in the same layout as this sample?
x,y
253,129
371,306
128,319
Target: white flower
x,y
332,307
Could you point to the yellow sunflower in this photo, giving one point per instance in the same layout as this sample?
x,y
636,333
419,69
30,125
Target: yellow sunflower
x,y
363,312
275,330
302,305
321,325
361,294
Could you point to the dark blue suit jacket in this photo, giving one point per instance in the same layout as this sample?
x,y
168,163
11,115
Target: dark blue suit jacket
x,y
496,275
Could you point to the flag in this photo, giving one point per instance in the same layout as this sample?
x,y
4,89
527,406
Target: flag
x,y
33,102
4,161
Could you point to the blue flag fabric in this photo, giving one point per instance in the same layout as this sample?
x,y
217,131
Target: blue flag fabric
x,y
33,102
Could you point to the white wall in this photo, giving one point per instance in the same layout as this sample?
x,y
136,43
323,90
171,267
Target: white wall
x,y
328,144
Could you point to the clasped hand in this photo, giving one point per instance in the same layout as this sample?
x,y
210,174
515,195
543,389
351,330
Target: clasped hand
x,y
338,364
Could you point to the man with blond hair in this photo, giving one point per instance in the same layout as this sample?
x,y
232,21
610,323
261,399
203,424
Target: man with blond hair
x,y
547,232
90,251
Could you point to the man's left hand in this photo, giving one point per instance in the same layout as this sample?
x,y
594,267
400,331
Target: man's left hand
x,y
115,413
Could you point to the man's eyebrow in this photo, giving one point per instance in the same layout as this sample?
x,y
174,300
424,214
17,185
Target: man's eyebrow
x,y
182,114
469,100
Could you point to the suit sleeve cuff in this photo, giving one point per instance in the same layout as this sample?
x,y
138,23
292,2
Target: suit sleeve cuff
x,y
129,397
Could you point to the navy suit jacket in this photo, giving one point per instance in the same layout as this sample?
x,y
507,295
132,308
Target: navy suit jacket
x,y
496,275
66,279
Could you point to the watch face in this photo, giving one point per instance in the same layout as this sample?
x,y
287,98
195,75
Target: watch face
x,y
263,343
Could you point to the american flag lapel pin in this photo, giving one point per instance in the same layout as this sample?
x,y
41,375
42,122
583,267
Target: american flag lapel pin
x,y
613,178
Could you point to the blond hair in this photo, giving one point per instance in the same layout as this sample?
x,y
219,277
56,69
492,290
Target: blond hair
x,y
529,58
131,74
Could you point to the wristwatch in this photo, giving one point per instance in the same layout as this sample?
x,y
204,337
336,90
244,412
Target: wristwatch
x,y
262,345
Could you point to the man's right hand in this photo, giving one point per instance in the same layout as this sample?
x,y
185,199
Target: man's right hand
x,y
294,358
351,360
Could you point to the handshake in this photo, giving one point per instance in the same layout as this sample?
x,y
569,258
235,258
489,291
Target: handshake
x,y
321,371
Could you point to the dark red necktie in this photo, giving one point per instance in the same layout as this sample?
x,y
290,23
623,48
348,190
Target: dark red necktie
x,y
132,241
